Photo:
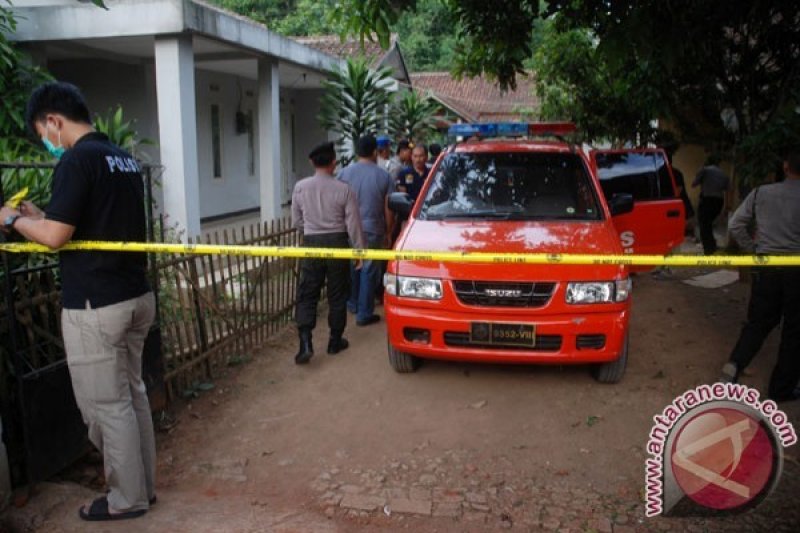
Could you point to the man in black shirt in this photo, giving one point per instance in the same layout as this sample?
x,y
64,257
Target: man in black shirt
x,y
108,308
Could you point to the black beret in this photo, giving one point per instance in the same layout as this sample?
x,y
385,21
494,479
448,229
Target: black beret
x,y
322,150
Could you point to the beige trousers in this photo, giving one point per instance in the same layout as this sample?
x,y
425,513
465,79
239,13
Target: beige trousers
x,y
104,355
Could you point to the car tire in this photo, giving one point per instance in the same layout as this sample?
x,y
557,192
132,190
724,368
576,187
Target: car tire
x,y
612,371
401,361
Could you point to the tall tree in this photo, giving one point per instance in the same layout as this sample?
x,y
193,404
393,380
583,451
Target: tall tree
x,y
723,71
607,101
428,36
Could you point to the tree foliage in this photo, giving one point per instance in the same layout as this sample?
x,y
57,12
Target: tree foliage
x,y
355,101
122,132
607,101
412,116
17,78
726,72
428,36
491,37
288,17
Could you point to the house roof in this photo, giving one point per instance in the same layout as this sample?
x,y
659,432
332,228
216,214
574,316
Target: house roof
x,y
371,50
478,99
334,46
216,33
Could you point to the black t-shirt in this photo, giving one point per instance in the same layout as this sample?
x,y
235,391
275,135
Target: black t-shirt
x,y
410,181
98,188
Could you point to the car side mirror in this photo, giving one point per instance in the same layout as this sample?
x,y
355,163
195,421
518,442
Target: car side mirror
x,y
620,204
401,203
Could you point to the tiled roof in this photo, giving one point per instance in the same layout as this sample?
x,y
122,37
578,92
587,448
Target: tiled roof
x,y
478,99
334,46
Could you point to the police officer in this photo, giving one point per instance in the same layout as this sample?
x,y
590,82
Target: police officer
x,y
108,307
411,179
713,183
774,211
402,159
325,212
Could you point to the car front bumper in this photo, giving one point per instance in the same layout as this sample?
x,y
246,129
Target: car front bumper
x,y
573,338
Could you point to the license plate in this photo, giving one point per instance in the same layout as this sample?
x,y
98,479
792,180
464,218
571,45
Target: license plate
x,y
502,334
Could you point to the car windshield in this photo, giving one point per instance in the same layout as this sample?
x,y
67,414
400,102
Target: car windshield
x,y
511,186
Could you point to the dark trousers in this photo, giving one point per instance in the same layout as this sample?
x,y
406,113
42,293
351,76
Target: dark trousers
x,y
708,210
316,272
774,295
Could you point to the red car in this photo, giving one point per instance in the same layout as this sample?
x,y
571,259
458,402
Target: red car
x,y
527,196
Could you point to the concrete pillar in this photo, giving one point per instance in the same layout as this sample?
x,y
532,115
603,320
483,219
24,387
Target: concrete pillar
x,y
177,132
269,138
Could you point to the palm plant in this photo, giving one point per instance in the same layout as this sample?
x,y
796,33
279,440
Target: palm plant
x,y
122,133
355,102
413,116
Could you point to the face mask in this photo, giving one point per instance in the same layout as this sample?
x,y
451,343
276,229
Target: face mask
x,y
55,151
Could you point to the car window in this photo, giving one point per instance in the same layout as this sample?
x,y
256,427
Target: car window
x,y
511,186
644,175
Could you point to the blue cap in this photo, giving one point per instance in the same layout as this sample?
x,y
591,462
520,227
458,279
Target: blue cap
x,y
383,141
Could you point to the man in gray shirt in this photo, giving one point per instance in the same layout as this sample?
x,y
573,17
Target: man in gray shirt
x,y
713,183
774,211
372,186
325,212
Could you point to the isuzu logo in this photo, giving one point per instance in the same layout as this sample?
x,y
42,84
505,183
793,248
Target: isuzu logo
x,y
503,293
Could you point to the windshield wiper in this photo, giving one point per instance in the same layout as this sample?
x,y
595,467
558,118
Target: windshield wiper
x,y
494,215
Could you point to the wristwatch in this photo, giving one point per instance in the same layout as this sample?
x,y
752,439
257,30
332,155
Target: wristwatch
x,y
8,223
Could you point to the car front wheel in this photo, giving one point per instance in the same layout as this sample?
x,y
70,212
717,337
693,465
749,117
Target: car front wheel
x,y
401,361
612,371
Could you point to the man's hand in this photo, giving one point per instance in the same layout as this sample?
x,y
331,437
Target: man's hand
x,y
359,263
29,209
6,212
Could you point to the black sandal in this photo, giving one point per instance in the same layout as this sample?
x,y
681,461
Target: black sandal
x,y
98,512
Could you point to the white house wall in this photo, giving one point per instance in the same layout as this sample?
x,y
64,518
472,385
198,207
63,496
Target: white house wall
x,y
107,84
237,190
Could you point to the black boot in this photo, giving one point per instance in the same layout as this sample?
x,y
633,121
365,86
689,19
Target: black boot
x,y
337,343
306,351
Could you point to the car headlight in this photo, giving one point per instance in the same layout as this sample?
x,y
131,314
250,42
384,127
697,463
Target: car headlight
x,y
595,292
409,287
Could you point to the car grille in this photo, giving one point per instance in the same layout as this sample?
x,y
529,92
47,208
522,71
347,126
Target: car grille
x,y
590,341
503,294
544,343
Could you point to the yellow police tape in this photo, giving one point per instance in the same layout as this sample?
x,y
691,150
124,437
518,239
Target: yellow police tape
x,y
452,257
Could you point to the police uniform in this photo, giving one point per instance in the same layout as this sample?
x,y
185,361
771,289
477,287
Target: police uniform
x,y
774,210
325,212
410,181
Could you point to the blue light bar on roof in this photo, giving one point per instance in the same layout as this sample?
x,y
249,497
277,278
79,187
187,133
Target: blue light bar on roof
x,y
510,129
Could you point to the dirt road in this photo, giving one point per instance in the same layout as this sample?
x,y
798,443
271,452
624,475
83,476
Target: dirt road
x,y
346,444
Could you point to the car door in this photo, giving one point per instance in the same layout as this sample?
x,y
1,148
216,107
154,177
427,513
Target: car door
x,y
656,224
